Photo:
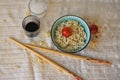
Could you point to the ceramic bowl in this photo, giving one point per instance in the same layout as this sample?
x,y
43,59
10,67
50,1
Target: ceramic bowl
x,y
66,18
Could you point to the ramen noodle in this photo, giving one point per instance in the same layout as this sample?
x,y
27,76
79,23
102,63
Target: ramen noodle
x,y
75,40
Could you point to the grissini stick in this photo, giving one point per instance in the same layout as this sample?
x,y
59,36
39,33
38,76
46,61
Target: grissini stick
x,y
70,55
46,59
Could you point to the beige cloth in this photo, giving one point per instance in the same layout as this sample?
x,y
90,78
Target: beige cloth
x,y
15,62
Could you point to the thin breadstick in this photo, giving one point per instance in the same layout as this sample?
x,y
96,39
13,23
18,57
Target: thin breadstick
x,y
70,55
46,59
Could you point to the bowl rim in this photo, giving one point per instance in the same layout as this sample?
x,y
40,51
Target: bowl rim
x,y
70,51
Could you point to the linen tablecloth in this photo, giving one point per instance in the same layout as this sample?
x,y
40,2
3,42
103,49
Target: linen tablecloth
x,y
17,63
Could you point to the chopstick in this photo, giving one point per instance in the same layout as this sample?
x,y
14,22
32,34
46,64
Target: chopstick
x,y
46,59
71,55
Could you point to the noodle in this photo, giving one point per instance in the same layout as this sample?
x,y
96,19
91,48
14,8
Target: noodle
x,y
75,40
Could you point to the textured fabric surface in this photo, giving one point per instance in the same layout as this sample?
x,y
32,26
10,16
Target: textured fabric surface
x,y
17,63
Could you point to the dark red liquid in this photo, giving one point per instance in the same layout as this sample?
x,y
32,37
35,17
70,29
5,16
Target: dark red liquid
x,y
31,27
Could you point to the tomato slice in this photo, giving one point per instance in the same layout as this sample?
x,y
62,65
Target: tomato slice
x,y
93,28
66,31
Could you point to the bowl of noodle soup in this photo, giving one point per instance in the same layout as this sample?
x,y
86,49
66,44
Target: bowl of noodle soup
x,y
77,37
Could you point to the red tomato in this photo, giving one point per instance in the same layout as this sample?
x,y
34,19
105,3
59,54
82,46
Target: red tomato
x,y
66,31
93,29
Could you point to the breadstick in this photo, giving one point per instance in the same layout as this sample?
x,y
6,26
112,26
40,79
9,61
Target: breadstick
x,y
70,55
46,59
